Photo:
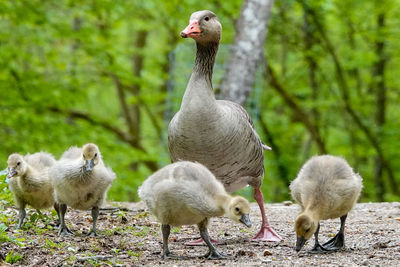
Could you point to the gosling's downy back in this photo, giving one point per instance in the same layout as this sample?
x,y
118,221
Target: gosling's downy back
x,y
40,160
182,193
72,153
327,185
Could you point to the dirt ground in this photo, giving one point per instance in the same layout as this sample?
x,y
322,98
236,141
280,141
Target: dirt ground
x,y
130,236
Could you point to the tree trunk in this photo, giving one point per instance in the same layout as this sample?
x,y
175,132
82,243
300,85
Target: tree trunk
x,y
246,52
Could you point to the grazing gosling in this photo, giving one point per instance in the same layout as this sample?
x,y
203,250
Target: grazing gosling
x,y
30,183
185,193
326,188
81,181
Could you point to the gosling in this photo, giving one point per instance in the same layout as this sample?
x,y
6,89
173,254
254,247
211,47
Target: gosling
x,y
326,187
81,181
30,183
185,193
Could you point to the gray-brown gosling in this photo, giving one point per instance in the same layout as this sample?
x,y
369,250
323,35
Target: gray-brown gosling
x,y
185,193
30,183
326,187
81,181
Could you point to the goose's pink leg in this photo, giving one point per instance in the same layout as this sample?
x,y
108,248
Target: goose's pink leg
x,y
200,242
266,233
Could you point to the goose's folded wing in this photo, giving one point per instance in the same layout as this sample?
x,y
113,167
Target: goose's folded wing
x,y
244,115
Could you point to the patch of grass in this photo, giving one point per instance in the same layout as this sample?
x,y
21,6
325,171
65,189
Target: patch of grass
x,y
94,262
175,230
71,258
121,213
5,194
244,230
110,232
141,231
143,214
49,244
136,255
6,238
37,215
13,258
95,247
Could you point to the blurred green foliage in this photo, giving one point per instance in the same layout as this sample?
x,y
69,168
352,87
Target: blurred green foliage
x,y
73,72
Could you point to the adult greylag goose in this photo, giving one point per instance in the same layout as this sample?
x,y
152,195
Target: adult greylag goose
x,y
81,181
326,187
30,183
185,193
217,133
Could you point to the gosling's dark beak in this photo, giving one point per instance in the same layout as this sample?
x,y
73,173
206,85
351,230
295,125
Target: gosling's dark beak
x,y
300,243
245,220
89,165
11,173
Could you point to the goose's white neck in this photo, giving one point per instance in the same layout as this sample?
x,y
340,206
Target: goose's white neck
x,y
199,91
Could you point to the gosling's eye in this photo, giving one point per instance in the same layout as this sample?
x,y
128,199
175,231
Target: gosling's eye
x,y
237,209
95,155
18,163
308,230
207,18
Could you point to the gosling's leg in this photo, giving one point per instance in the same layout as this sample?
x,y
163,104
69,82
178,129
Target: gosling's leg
x,y
166,229
318,248
21,217
57,209
337,242
266,232
63,227
213,253
95,214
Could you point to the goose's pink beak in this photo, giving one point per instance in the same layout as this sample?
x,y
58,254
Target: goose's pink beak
x,y
192,30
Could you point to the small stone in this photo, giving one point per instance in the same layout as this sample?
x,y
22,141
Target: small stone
x,y
287,203
267,253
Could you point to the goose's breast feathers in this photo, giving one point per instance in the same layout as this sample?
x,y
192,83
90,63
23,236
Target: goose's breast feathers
x,y
223,140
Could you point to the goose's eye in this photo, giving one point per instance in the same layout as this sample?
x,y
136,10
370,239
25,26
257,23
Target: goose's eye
x,y
18,163
207,18
95,155
237,209
308,230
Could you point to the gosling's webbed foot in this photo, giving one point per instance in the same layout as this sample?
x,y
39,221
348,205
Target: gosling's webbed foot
x,y
64,231
318,248
92,233
335,243
170,256
215,255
